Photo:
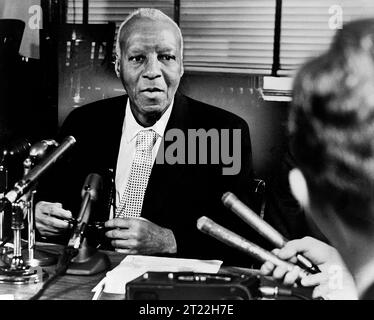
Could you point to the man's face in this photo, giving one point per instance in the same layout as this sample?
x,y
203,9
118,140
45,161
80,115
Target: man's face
x,y
150,66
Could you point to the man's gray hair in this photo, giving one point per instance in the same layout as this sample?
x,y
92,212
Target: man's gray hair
x,y
150,13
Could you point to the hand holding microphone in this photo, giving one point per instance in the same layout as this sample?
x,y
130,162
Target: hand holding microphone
x,y
264,229
230,238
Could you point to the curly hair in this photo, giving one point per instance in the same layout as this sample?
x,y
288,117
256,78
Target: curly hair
x,y
331,124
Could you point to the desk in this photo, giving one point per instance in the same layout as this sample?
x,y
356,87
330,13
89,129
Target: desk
x,y
73,287
67,287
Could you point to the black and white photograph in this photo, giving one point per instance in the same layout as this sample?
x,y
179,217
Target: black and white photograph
x,y
183,157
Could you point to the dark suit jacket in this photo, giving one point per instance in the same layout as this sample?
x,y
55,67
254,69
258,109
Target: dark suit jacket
x,y
177,195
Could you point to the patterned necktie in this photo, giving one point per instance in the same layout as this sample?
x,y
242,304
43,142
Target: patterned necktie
x,y
132,198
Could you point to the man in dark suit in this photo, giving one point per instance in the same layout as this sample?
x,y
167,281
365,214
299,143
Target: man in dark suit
x,y
153,196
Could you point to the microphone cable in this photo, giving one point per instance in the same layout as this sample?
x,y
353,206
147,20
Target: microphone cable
x,y
62,265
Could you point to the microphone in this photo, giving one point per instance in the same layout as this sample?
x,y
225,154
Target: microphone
x,y
263,228
38,150
232,239
90,193
94,262
17,148
23,185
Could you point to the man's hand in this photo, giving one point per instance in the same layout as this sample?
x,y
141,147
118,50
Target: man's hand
x,y
333,282
50,218
140,236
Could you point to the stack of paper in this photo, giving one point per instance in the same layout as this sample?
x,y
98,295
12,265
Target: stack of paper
x,y
134,266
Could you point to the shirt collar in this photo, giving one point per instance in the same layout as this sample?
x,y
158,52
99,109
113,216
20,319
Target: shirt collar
x,y
131,127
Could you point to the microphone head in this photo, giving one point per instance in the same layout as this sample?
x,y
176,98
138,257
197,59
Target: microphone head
x,y
201,222
17,148
228,199
92,185
39,149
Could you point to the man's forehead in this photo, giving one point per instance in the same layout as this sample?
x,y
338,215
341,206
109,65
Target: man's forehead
x,y
140,42
141,27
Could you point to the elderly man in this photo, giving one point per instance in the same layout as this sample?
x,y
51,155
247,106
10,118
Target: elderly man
x,y
153,194
332,127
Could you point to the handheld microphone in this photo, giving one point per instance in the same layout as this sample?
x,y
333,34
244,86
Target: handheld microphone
x,y
234,240
90,193
23,185
263,228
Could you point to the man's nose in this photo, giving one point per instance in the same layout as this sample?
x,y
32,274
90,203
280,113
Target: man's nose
x,y
152,68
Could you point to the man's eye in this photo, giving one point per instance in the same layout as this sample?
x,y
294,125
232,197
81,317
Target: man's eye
x,y
166,57
136,58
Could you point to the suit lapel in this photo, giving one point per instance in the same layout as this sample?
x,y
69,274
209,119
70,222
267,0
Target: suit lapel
x,y
164,176
111,145
115,132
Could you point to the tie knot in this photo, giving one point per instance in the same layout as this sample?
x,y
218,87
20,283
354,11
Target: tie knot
x,y
146,140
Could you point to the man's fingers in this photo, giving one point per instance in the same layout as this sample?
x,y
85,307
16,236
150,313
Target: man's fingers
x,y
47,230
127,251
53,209
130,244
52,223
120,234
314,279
279,272
267,268
59,212
119,223
58,223
287,252
291,277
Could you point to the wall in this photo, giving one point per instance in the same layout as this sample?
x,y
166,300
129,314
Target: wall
x,y
266,120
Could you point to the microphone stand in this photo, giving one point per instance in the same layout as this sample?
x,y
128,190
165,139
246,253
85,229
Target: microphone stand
x,y
34,257
16,271
88,260
3,188
18,200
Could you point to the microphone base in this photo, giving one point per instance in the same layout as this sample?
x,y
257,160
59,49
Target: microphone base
x,y
89,261
41,258
97,263
26,276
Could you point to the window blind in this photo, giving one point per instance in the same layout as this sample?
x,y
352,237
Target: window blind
x,y
103,11
306,28
228,36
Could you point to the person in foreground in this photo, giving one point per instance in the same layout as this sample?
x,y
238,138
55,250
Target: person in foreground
x,y
142,144
332,128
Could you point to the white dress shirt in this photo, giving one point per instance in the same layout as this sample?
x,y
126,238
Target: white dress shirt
x,y
130,130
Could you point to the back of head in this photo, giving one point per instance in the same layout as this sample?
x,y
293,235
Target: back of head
x,y
332,124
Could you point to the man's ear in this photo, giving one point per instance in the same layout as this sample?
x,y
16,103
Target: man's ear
x,y
117,67
299,187
182,69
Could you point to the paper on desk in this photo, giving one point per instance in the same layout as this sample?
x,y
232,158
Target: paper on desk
x,y
134,266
